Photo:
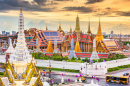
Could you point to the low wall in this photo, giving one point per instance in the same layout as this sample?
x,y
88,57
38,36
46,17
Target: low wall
x,y
59,64
119,62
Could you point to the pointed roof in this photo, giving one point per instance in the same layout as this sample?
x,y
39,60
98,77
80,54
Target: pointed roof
x,y
70,30
77,27
49,47
89,31
21,10
77,46
99,35
46,27
10,48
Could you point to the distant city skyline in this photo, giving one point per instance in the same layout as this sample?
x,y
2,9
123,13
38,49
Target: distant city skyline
x,y
114,14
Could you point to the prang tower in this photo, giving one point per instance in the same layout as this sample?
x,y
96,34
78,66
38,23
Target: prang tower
x,y
21,56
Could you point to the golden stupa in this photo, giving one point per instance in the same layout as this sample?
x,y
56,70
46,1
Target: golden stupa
x,y
99,35
77,47
49,47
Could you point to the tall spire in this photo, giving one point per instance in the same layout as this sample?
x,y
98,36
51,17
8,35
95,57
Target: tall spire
x,y
70,30
120,36
77,27
60,26
77,47
89,31
21,10
49,47
46,27
99,35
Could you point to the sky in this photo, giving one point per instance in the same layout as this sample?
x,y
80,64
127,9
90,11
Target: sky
x,y
114,14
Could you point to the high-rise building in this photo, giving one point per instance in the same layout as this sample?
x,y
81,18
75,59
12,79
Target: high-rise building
x,y
7,33
3,32
112,32
13,32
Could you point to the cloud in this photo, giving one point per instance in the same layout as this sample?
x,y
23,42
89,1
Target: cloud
x,y
93,1
108,8
63,0
27,6
52,3
41,2
122,13
79,9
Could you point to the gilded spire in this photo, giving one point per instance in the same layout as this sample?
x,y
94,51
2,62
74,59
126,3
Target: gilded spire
x,y
60,26
46,27
49,47
77,28
77,47
89,31
70,30
21,10
99,35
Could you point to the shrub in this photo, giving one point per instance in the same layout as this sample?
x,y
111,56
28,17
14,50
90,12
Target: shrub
x,y
86,60
1,73
79,58
57,57
72,58
65,58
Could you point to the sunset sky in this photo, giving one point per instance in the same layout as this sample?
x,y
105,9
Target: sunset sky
x,y
114,14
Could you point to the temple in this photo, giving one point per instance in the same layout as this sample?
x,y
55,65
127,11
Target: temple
x,y
21,56
21,65
106,45
77,47
43,36
60,29
77,27
83,41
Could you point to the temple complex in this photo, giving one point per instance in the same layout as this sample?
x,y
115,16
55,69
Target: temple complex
x,y
106,45
84,41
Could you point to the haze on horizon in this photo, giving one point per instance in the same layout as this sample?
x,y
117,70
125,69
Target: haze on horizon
x,y
114,14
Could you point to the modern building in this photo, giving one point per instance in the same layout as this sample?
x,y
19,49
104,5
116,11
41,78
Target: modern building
x,y
13,32
3,33
7,33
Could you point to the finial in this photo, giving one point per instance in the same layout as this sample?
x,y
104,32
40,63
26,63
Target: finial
x,y
21,10
46,27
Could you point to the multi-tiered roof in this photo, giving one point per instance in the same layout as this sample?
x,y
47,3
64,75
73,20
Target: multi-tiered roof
x,y
21,52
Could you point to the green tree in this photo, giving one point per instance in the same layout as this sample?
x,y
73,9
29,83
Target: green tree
x,y
45,57
79,58
65,58
57,57
72,58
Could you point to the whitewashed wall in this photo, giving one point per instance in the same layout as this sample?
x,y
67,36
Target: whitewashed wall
x,y
59,64
119,62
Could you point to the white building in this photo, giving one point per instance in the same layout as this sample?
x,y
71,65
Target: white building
x,y
21,56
